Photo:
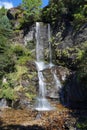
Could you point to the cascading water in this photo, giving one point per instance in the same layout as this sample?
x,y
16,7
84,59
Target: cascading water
x,y
56,79
42,33
39,44
42,103
50,49
3,103
57,84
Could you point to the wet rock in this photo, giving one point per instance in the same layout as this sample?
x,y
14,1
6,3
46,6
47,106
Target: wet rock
x,y
54,79
29,37
3,103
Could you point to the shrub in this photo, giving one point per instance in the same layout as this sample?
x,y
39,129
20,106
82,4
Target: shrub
x,y
7,92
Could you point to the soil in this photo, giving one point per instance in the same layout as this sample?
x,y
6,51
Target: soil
x,y
58,119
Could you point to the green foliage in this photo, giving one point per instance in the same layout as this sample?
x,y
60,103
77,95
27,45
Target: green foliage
x,y
19,51
85,10
82,123
53,12
6,60
23,60
15,77
5,26
7,92
70,10
69,57
3,11
32,9
82,72
31,45
79,17
5,23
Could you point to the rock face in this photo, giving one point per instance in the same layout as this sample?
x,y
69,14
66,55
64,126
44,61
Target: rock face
x,y
66,50
14,14
22,33
54,79
68,44
68,36
30,36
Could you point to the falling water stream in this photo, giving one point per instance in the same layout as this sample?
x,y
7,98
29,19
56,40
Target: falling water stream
x,y
42,103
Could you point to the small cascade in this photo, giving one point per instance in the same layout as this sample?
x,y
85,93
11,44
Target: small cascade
x,y
57,81
42,103
3,103
57,84
50,50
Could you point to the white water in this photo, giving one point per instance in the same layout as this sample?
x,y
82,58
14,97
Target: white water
x,y
42,88
3,103
42,103
57,81
50,49
39,45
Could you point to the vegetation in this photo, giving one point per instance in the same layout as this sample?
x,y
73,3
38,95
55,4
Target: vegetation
x,y
31,11
61,14
6,60
82,123
65,10
6,91
82,72
17,75
14,57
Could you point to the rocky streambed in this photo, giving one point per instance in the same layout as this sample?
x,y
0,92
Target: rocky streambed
x,y
59,119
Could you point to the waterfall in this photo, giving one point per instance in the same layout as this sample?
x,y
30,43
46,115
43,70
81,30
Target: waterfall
x,y
57,84
3,103
39,44
43,33
42,103
50,50
57,81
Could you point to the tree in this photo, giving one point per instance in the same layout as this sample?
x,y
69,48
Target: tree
x,y
32,8
6,59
